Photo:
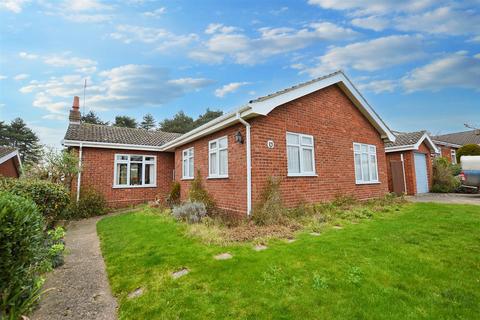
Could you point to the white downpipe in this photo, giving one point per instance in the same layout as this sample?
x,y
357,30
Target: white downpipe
x,y
79,176
249,164
404,176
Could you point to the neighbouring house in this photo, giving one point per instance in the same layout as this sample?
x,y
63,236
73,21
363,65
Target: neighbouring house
x,y
320,138
10,163
409,162
450,143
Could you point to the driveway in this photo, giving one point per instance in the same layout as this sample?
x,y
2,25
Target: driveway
x,y
457,198
80,288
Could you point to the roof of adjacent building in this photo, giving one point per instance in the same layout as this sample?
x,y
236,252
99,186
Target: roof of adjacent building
x,y
117,135
460,138
410,141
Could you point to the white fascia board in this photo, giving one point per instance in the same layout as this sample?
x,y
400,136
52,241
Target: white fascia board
x,y
91,144
266,106
400,148
10,156
429,141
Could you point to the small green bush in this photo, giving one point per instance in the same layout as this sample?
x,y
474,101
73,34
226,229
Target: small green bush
x,y
468,150
173,197
51,198
198,193
270,209
90,204
23,255
191,212
443,179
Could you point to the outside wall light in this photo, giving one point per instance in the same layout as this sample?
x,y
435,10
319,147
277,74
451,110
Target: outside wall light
x,y
238,137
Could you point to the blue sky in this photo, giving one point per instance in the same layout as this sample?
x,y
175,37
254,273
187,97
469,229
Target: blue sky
x,y
416,61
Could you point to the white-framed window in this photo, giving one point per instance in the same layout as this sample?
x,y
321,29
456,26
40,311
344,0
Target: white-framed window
x,y
300,155
366,168
187,163
218,158
134,170
453,156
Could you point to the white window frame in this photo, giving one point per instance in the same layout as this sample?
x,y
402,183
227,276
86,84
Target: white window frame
x,y
453,156
128,162
369,153
301,147
217,150
187,158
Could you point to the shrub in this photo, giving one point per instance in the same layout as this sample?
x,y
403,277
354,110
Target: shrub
x,y
51,198
197,193
468,150
23,255
191,212
443,178
90,204
173,197
270,210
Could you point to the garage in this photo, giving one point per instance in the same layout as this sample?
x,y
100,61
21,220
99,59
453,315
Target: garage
x,y
421,176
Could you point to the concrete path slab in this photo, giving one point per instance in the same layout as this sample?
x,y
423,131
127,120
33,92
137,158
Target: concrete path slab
x,y
80,287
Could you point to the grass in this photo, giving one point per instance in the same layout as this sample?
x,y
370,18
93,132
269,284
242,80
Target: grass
x,y
422,262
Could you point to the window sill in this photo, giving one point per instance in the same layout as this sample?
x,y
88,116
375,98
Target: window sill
x,y
217,177
132,187
295,175
372,182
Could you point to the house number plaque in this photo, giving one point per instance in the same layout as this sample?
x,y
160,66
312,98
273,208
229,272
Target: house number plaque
x,y
270,144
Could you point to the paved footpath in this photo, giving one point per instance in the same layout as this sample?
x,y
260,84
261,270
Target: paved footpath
x,y
80,286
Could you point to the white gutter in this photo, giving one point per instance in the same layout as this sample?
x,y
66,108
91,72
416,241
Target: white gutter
x,y
79,176
404,176
249,164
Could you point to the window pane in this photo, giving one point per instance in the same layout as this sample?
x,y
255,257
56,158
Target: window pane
x,y
135,174
292,138
149,174
222,143
293,159
121,174
373,167
136,158
365,168
307,160
190,168
358,167
213,163
308,141
223,162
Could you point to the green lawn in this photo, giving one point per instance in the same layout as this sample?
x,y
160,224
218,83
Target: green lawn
x,y
422,262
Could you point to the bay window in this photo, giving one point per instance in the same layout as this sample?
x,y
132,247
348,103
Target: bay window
x,y
187,163
132,170
366,169
300,154
218,158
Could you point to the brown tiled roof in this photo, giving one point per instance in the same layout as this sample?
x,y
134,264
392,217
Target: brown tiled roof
x,y
405,138
109,134
5,151
461,138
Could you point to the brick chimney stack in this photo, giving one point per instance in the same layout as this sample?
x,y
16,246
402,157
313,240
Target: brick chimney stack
x,y
75,116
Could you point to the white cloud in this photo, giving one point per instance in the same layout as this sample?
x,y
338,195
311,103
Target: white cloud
x,y
14,6
155,13
375,23
443,20
373,6
229,88
378,86
65,60
455,70
370,55
230,42
164,39
21,76
28,56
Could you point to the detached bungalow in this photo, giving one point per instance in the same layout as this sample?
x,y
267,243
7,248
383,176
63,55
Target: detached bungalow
x,y
10,163
321,138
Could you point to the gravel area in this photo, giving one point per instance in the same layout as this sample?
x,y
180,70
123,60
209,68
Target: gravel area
x,y
457,198
80,286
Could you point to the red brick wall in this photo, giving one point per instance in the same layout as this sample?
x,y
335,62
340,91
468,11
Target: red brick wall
x,y
409,164
9,169
335,124
229,193
98,173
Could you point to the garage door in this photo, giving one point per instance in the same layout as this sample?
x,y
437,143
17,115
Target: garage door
x,y
421,172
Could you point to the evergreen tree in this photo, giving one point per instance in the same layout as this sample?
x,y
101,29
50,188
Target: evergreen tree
x,y
19,136
180,123
92,117
125,121
207,116
148,122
